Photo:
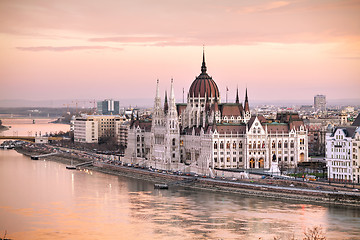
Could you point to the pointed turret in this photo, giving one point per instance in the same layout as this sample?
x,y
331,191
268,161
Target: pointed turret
x,y
172,116
157,111
246,105
166,106
203,66
157,89
172,95
172,104
237,95
157,101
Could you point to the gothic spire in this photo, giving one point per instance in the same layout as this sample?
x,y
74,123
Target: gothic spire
x,y
157,101
237,95
172,95
203,66
246,105
166,106
157,88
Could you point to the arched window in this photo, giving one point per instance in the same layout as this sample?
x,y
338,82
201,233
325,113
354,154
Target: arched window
x,y
254,144
227,144
250,144
292,144
273,144
302,157
285,144
259,146
279,144
215,145
221,145
173,142
234,145
240,144
252,163
263,144
261,163
138,138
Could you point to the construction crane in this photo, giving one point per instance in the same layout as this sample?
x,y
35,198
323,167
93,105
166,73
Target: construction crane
x,y
84,104
67,107
93,102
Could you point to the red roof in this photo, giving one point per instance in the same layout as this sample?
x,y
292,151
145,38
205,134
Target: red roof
x,y
145,125
279,128
231,110
296,124
202,85
180,108
241,129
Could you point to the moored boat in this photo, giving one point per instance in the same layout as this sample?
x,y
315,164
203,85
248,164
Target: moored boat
x,y
161,186
70,167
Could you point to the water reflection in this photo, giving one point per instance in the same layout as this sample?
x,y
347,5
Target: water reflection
x,y
25,127
43,200
215,215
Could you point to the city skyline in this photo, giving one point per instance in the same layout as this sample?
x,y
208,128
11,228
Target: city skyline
x,y
279,50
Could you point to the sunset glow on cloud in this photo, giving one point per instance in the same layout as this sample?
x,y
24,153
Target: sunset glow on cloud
x,y
280,50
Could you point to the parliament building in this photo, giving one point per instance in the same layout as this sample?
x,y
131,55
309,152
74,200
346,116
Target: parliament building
x,y
205,134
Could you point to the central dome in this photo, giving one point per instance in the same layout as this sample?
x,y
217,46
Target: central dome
x,y
204,85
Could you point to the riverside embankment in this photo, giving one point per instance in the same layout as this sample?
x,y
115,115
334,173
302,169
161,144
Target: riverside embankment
x,y
276,189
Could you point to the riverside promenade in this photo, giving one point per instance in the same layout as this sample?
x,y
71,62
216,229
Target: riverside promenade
x,y
271,188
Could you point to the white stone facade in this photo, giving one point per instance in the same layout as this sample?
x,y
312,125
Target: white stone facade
x,y
89,128
204,135
86,130
342,154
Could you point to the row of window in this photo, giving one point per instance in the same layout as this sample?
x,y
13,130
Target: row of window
x,y
256,144
340,144
241,159
340,177
343,164
340,157
340,150
339,137
228,159
138,138
341,170
228,153
227,145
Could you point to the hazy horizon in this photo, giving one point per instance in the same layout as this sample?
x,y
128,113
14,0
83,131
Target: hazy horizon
x,y
149,102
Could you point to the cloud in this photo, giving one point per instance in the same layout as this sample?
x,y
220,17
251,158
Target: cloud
x,y
133,39
264,7
226,38
65,49
151,40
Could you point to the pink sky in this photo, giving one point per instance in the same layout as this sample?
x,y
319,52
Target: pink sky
x,y
280,50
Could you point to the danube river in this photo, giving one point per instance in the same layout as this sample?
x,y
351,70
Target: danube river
x,y
42,200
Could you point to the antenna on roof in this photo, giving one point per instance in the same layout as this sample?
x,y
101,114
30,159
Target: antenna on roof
x,y
183,96
227,89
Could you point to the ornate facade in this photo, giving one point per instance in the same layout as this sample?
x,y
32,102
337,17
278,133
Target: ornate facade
x,y
205,134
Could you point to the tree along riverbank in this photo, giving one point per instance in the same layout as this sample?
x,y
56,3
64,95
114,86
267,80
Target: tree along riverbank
x,y
252,187
2,127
